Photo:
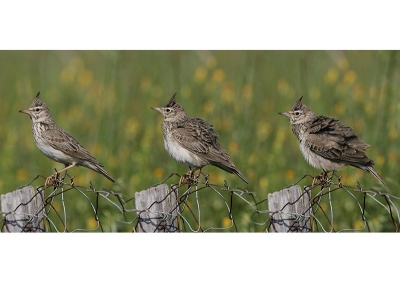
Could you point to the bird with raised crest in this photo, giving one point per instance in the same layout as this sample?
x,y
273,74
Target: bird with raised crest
x,y
327,143
57,144
191,141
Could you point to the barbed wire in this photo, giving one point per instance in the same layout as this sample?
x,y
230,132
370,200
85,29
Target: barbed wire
x,y
324,200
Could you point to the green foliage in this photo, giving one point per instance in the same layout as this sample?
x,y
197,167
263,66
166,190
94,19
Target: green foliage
x,y
103,99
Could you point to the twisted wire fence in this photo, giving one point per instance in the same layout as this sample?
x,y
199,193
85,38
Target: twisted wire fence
x,y
196,204
326,197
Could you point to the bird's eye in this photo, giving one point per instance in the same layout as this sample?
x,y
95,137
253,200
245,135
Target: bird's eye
x,y
168,110
37,109
297,113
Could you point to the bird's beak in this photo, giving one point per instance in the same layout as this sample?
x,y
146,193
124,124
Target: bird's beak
x,y
285,114
157,109
24,111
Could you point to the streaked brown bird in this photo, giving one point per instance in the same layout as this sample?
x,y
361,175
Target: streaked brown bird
x,y
327,143
191,141
56,143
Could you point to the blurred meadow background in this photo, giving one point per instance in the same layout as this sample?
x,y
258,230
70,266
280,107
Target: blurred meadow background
x,y
104,99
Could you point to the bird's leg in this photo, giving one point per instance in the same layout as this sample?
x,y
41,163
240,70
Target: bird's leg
x,y
199,173
314,181
51,179
339,179
325,179
317,179
56,174
67,167
186,175
322,178
193,178
181,179
189,175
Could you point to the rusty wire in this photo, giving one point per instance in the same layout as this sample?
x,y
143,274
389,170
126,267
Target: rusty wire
x,y
327,194
320,212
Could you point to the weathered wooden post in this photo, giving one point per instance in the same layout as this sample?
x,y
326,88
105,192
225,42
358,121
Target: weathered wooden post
x,y
157,209
290,210
22,210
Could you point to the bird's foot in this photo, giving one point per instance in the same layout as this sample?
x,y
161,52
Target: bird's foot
x,y
48,181
181,180
186,176
53,180
189,177
314,181
194,179
326,181
322,180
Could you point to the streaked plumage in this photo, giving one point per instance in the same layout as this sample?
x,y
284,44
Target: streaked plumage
x,y
56,143
328,143
191,141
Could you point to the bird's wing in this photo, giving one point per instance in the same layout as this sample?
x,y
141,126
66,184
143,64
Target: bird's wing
x,y
332,139
195,135
61,140
199,137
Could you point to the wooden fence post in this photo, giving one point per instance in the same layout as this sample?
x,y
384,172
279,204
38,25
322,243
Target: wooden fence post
x,y
22,211
290,210
157,209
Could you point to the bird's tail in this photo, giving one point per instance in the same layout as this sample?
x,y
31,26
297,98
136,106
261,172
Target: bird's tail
x,y
240,175
99,169
231,169
373,172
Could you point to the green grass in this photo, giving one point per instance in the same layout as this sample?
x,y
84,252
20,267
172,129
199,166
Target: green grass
x,y
103,99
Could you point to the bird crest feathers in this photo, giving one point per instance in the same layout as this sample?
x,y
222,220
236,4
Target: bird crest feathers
x,y
172,102
298,105
37,101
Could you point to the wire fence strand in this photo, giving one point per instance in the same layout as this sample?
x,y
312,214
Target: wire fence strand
x,y
197,201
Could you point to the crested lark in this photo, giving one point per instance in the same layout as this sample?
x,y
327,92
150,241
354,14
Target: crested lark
x,y
191,141
56,143
327,143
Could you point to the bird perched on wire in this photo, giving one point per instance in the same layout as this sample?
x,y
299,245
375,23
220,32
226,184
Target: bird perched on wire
x,y
191,141
57,144
327,143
